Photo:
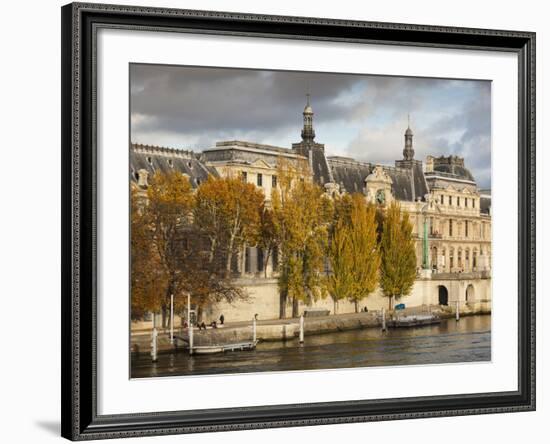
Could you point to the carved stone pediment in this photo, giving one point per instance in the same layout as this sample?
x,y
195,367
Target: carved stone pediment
x,y
378,187
378,175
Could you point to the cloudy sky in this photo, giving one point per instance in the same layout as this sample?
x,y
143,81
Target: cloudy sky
x,y
355,115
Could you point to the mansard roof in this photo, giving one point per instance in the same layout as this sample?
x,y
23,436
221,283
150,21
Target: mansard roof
x,y
166,160
321,169
485,201
408,184
452,167
349,173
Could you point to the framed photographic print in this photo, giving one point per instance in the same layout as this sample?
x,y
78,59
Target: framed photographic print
x,y
278,221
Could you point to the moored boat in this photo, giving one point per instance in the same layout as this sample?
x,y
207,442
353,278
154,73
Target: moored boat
x,y
414,320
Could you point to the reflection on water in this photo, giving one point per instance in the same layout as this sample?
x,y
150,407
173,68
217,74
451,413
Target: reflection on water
x,y
468,340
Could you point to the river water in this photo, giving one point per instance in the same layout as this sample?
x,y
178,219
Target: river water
x,y
468,340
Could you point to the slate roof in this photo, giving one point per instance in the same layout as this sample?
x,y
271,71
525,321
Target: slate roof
x,y
484,205
349,174
153,158
321,169
408,183
485,201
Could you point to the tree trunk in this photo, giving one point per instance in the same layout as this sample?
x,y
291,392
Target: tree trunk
x,y
229,257
199,313
294,307
163,310
282,304
356,306
212,250
335,306
268,253
390,302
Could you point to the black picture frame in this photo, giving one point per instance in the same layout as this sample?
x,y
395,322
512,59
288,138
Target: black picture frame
x,y
80,22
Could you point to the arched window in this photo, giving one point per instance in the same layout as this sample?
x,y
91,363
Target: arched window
x,y
467,259
451,259
460,265
443,259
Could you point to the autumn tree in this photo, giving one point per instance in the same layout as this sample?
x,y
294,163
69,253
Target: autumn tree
x,y
267,235
228,212
353,250
170,255
398,256
340,282
364,249
158,218
301,219
145,277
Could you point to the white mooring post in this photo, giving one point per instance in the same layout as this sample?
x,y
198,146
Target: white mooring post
x,y
301,329
154,335
172,319
189,325
154,345
457,311
254,329
190,339
383,319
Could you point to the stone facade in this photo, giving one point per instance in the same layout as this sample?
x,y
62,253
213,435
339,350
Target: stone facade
x,y
451,217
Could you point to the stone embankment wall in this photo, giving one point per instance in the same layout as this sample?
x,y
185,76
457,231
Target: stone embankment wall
x,y
283,330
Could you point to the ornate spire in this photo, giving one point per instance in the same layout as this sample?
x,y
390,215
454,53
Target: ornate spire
x,y
308,133
408,151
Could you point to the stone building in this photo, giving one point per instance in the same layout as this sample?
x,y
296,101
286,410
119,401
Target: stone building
x,y
451,217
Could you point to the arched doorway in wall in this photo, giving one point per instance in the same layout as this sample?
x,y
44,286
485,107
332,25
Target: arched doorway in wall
x,y
470,294
443,295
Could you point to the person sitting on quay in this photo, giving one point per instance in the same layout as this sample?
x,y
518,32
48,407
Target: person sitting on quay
x,y
222,319
202,326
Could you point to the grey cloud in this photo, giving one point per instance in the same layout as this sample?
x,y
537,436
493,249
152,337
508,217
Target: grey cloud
x,y
188,100
194,107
